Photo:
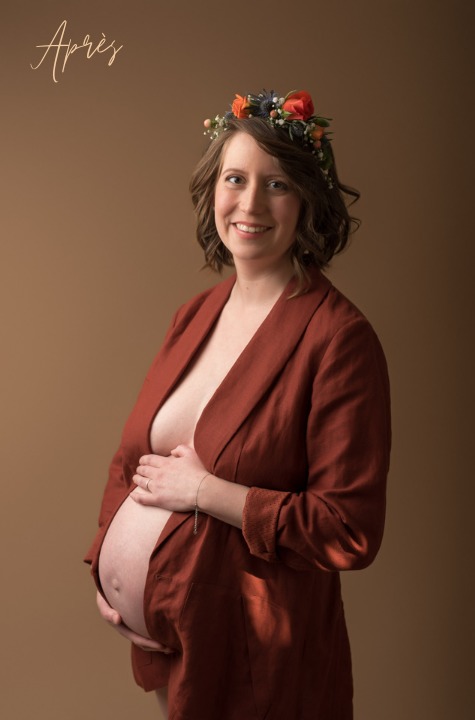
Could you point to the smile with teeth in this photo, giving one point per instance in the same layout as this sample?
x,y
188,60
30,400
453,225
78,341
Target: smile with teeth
x,y
251,228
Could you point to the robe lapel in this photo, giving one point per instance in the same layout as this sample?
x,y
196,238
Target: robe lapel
x,y
256,369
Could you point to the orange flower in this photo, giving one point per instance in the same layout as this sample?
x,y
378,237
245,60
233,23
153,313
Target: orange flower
x,y
317,135
241,107
299,104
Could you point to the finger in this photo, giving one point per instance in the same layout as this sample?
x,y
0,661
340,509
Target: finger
x,y
143,483
157,648
180,450
143,643
141,497
114,618
152,460
140,480
107,612
143,470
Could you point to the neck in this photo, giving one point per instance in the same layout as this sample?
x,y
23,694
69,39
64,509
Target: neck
x,y
261,287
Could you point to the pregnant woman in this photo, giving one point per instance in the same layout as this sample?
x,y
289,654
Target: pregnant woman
x,y
252,469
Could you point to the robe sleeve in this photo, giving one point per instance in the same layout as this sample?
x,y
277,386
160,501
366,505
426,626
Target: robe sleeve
x,y
336,522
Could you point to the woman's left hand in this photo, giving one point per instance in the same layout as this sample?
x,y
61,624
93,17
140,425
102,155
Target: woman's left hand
x,y
169,482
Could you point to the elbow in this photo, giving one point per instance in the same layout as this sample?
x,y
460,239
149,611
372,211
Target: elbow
x,y
355,551
337,554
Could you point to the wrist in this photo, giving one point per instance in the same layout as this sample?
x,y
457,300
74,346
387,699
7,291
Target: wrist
x,y
197,505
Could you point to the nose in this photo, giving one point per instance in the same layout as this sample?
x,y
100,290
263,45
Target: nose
x,y
253,199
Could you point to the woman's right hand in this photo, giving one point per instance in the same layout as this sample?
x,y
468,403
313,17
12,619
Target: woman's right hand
x,y
112,617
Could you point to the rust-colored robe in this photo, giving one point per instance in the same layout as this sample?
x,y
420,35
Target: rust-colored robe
x,y
302,418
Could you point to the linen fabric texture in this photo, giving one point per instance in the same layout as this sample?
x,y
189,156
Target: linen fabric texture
x,y
255,617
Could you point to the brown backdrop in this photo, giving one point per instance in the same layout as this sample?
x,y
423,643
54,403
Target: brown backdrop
x,y
97,250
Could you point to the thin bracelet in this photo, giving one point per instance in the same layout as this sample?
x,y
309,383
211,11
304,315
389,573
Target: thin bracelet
x,y
195,526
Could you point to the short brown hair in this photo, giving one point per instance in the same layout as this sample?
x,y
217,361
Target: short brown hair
x,y
324,223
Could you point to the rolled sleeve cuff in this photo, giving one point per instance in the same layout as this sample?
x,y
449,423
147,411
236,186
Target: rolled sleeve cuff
x,y
259,522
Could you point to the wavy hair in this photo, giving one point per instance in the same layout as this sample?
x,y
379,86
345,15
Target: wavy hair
x,y
324,223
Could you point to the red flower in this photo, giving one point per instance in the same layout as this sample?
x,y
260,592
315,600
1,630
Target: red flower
x,y
241,107
299,104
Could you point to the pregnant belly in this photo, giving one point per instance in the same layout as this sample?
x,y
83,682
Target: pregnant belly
x,y
124,559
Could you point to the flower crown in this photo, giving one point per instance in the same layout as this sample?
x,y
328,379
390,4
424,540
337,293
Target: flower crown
x,y
293,113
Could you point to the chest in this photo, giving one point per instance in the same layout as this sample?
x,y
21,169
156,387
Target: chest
x,y
176,420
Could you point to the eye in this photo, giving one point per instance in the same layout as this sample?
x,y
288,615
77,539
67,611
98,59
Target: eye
x,y
234,179
278,185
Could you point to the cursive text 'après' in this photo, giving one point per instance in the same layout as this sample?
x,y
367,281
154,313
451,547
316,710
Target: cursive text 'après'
x,y
57,44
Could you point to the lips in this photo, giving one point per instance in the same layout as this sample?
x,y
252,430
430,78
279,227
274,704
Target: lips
x,y
244,227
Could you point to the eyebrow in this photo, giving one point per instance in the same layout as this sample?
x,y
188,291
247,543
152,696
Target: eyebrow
x,y
243,172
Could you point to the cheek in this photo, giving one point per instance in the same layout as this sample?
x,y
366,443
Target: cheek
x,y
218,218
222,207
292,214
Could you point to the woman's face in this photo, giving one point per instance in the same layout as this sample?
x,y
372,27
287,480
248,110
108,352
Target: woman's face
x,y
256,211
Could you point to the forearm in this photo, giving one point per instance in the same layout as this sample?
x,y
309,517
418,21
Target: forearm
x,y
222,499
